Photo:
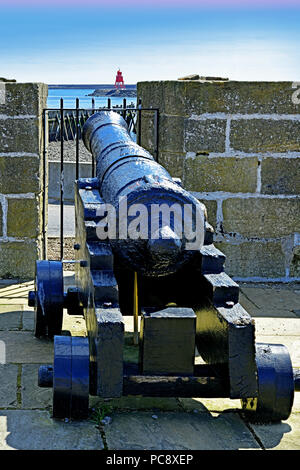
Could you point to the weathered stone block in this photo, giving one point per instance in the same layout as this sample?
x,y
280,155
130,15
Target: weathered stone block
x,y
240,97
208,135
261,217
168,96
40,208
19,135
17,259
173,93
211,207
150,94
253,259
172,162
198,97
265,135
171,133
203,173
295,262
148,131
24,98
1,223
22,218
280,176
205,97
19,175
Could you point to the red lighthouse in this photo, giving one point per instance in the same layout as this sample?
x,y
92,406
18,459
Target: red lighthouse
x,y
119,83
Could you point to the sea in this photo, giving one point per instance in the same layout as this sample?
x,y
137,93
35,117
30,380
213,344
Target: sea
x,y
69,96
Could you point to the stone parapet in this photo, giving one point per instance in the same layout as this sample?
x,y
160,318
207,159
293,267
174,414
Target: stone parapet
x,y
236,147
21,178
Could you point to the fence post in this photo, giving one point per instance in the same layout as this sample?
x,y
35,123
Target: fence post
x,y
61,178
77,138
139,121
45,177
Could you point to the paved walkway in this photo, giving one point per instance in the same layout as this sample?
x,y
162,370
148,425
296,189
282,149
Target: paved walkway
x,y
136,423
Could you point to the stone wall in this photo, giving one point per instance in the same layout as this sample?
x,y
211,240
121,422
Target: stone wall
x,y
21,177
236,147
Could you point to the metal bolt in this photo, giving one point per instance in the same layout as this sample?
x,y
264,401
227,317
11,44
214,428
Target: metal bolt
x,y
76,246
31,298
45,376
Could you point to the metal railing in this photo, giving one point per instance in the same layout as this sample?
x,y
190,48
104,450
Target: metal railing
x,y
75,118
69,125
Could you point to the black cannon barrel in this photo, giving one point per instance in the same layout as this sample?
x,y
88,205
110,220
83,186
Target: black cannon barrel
x,y
146,198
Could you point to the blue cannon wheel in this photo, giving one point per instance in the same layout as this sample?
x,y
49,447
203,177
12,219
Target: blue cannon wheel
x,y
49,298
275,385
71,377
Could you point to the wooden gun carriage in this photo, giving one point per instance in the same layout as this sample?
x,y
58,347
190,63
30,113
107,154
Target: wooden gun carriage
x,y
185,300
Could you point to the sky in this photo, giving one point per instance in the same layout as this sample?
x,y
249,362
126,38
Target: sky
x,y
78,42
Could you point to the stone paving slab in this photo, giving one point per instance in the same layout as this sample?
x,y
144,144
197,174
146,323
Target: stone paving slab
x,y
36,430
180,424
271,302
28,319
279,436
33,396
199,405
136,403
279,327
178,431
248,305
8,385
10,317
23,347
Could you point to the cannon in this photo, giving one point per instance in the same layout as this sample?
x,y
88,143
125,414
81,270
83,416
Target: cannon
x,y
144,249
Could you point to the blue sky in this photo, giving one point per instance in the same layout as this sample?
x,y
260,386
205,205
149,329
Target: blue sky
x,y
88,45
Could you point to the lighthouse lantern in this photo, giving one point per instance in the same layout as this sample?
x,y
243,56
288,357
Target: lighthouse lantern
x,y
119,83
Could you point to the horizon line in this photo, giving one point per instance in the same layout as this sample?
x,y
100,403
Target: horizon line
x,y
156,4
